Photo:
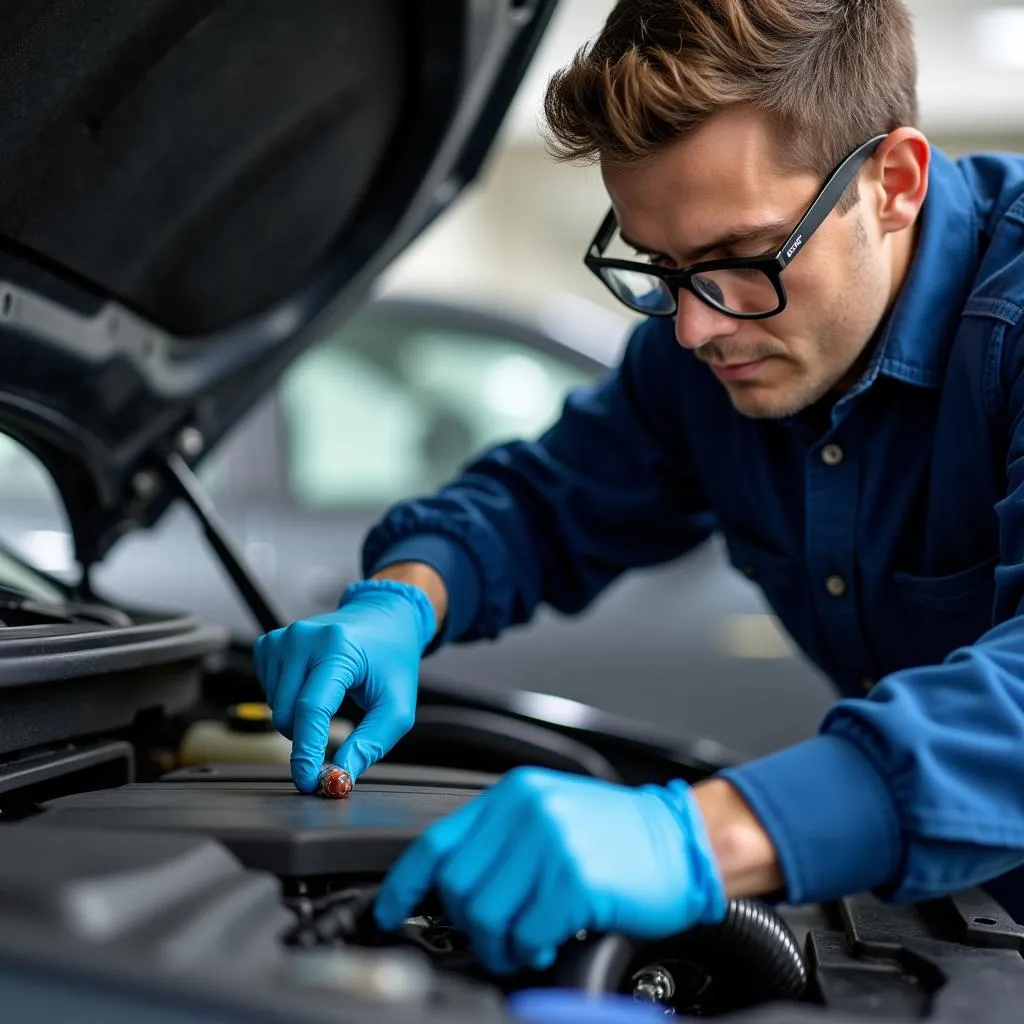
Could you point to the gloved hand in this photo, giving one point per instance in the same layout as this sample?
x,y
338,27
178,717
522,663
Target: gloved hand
x,y
523,867
369,647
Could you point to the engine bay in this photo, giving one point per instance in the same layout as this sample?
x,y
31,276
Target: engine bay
x,y
319,850
220,880
153,847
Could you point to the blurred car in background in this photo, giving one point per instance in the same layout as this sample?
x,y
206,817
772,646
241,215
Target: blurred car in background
x,y
390,405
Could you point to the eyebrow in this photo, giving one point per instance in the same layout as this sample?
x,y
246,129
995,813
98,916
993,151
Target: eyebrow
x,y
762,233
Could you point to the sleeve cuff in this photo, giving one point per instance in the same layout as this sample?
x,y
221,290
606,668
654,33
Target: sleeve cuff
x,y
829,814
454,565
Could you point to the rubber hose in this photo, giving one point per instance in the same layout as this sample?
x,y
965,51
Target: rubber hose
x,y
499,737
753,952
752,956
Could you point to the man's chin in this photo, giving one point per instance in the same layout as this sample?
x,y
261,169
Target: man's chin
x,y
763,402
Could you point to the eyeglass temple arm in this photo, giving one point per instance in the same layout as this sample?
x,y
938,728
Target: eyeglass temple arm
x,y
604,233
827,199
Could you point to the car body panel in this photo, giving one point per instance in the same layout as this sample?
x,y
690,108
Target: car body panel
x,y
138,180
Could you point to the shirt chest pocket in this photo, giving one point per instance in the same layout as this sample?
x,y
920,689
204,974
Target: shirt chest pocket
x,y
942,613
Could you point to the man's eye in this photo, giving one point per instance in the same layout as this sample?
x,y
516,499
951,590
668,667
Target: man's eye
x,y
653,259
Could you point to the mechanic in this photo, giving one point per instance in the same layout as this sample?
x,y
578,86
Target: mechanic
x,y
841,397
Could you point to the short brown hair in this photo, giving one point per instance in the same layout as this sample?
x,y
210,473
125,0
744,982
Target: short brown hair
x,y
830,73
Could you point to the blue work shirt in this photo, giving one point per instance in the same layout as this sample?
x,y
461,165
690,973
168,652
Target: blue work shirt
x,y
887,532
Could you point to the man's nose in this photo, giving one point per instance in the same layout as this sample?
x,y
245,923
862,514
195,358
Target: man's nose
x,y
697,323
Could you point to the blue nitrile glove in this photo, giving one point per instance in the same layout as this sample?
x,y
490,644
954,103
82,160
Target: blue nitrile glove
x,y
526,865
369,648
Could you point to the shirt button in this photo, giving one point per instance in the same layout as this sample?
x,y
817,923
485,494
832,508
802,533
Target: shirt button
x,y
831,455
835,585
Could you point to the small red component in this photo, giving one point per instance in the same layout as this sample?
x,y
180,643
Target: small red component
x,y
335,782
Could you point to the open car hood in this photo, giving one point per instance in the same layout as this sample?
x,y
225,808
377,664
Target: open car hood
x,y
191,191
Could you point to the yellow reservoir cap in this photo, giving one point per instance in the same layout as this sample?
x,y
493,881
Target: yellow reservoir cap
x,y
252,712
250,717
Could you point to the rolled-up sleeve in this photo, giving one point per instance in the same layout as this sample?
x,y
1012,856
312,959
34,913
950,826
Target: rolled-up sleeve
x,y
608,488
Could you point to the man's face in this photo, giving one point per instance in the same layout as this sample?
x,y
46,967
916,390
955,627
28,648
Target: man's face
x,y
727,180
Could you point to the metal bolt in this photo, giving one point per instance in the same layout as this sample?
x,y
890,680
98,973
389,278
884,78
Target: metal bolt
x,y
835,585
145,484
653,985
190,442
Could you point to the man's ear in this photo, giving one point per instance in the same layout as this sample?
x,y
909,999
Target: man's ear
x,y
901,165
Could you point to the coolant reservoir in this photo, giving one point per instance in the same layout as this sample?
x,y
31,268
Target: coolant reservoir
x,y
246,736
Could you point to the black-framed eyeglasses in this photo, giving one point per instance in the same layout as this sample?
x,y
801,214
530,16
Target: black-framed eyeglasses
x,y
744,288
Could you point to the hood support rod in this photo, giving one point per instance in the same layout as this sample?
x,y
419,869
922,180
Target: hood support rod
x,y
187,486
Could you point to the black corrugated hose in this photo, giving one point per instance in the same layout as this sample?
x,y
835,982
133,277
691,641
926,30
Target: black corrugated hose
x,y
753,949
752,958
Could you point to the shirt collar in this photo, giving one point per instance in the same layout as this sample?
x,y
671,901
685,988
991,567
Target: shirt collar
x,y
917,336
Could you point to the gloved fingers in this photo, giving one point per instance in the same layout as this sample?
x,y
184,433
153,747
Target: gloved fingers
x,y
498,900
495,833
321,695
386,721
412,876
550,917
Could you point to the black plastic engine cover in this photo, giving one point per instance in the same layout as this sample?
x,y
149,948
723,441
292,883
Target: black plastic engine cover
x,y
179,899
268,825
114,925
